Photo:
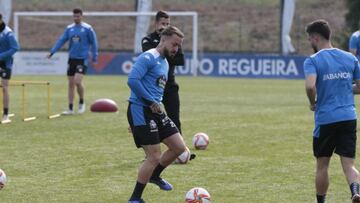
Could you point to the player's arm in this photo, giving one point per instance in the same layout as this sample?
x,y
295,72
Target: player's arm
x,y
94,44
356,86
310,82
146,44
60,42
353,45
138,71
14,47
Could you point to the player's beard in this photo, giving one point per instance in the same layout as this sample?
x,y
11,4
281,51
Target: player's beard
x,y
167,53
314,48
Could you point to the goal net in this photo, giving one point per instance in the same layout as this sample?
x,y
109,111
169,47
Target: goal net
x,y
38,31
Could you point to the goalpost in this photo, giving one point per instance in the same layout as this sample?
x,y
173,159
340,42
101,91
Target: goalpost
x,y
193,15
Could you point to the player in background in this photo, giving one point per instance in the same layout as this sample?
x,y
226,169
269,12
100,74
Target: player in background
x,y
171,99
329,75
81,37
354,44
8,47
148,122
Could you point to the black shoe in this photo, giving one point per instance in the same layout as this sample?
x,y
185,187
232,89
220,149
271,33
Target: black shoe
x,y
192,156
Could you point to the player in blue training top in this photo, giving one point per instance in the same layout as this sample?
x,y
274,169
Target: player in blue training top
x,y
81,37
329,75
8,47
354,44
148,122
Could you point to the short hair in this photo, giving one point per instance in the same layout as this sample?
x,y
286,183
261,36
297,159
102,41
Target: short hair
x,y
77,10
320,27
161,14
170,30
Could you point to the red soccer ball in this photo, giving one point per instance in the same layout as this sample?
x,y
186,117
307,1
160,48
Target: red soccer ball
x,y
104,105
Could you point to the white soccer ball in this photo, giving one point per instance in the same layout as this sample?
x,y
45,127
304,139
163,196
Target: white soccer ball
x,y
200,141
2,179
197,195
184,157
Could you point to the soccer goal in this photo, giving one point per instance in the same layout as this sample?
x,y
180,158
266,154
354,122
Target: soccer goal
x,y
47,22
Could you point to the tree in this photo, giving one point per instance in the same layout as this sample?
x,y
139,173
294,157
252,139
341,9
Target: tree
x,y
352,20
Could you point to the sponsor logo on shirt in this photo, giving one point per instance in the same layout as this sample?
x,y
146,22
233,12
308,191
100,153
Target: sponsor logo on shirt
x,y
336,76
161,81
76,38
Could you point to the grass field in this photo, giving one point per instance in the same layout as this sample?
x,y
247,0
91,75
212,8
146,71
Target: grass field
x,y
260,145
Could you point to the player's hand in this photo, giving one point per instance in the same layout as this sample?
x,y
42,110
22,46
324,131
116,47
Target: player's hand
x,y
156,108
312,107
129,130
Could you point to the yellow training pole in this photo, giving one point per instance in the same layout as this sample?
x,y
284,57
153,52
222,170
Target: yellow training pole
x,y
49,107
24,105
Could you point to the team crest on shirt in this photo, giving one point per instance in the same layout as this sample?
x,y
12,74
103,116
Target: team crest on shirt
x,y
153,126
82,30
161,81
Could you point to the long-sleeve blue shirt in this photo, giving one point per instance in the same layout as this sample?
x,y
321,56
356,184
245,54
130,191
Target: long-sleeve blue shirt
x,y
81,37
147,78
8,46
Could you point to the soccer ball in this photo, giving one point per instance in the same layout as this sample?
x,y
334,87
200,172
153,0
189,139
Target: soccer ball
x,y
2,179
197,195
200,141
184,157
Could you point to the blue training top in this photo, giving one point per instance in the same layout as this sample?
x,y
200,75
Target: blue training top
x,y
8,46
148,77
81,37
335,70
354,43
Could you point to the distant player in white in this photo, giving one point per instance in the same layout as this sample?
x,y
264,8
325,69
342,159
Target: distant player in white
x,y
329,75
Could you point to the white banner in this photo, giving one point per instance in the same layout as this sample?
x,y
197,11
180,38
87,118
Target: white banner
x,y
36,63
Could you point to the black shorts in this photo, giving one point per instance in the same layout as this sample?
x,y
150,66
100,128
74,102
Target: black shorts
x,y
5,73
76,66
339,137
149,128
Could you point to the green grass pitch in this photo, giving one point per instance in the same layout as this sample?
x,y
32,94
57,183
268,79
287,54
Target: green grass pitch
x,y
260,145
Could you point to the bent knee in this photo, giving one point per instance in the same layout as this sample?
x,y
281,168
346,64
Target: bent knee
x,y
180,149
154,159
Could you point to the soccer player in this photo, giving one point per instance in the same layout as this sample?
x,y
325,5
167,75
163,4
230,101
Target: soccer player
x,y
354,44
329,75
148,122
8,47
171,99
81,37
